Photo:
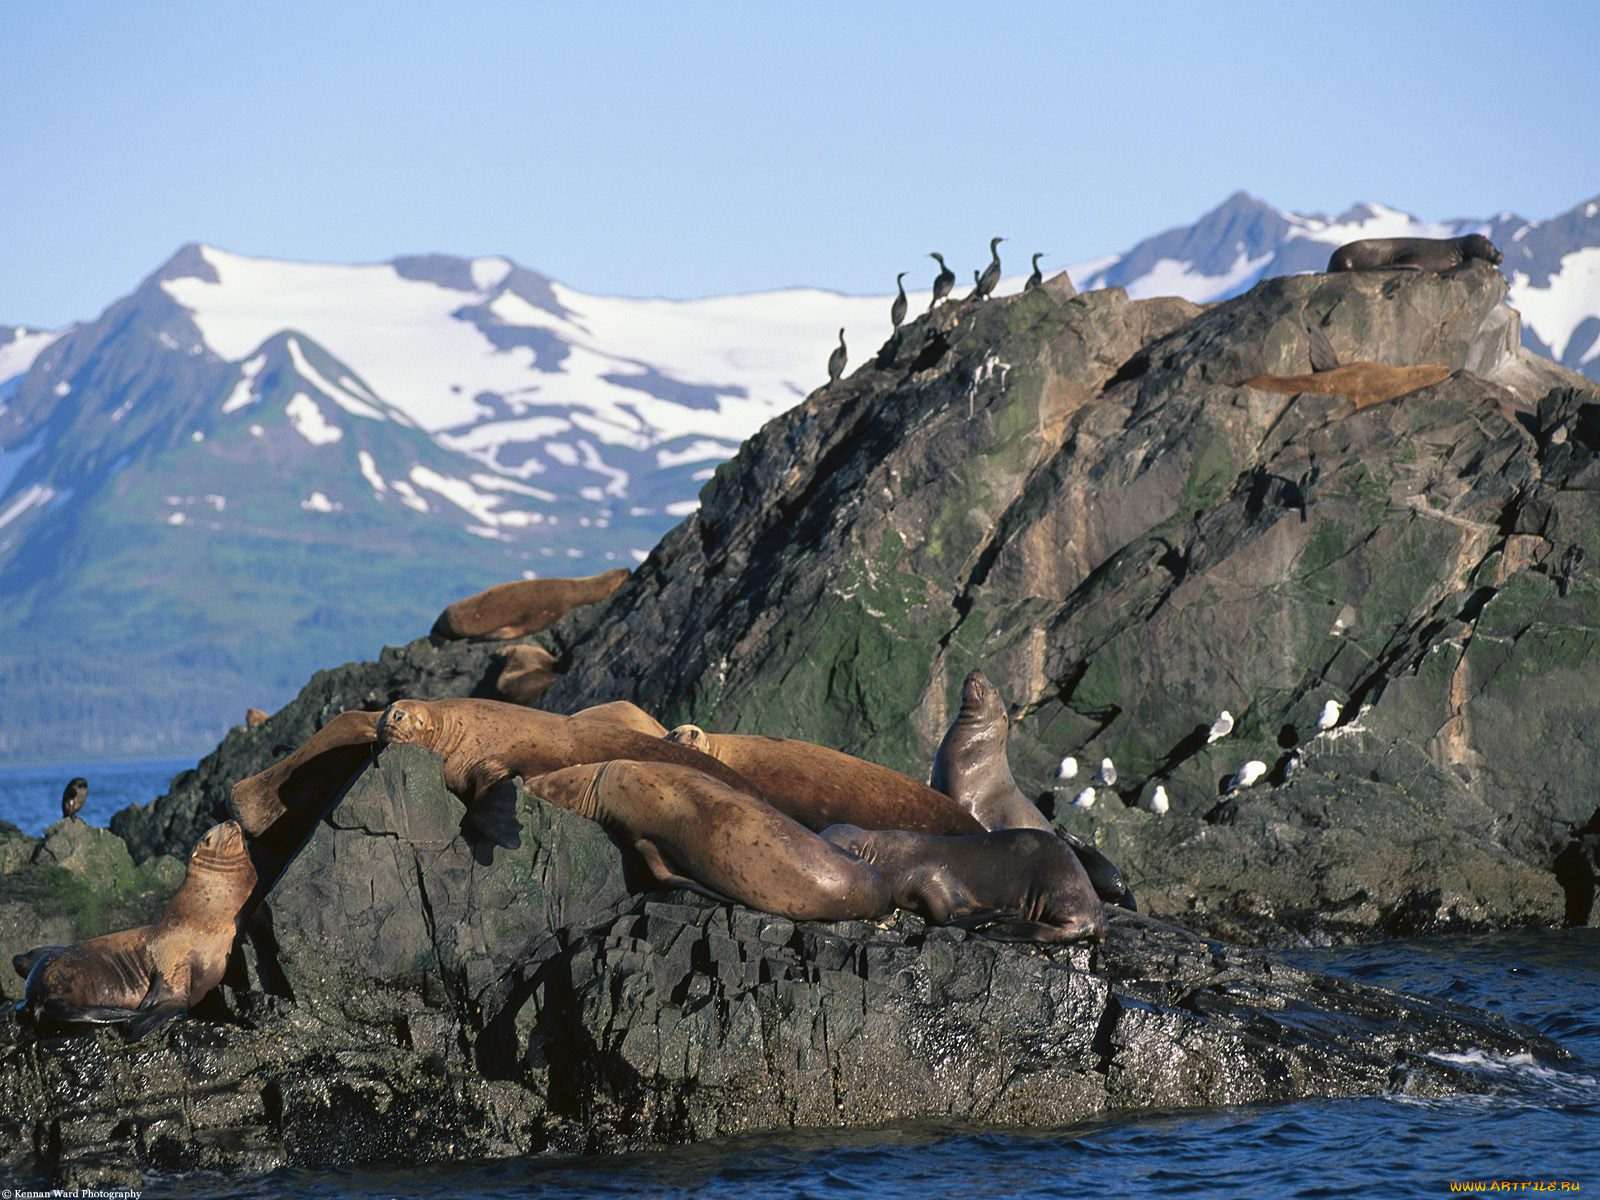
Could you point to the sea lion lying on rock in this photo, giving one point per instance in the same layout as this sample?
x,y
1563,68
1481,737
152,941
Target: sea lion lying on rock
x,y
523,606
1362,383
1021,884
1413,254
624,713
695,831
146,975
820,787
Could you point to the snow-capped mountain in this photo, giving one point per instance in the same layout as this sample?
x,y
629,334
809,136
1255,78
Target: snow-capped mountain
x,y
247,469
1553,266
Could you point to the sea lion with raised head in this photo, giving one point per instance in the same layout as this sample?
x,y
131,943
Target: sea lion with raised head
x,y
1020,884
972,768
1413,254
153,972
523,606
819,787
300,785
696,831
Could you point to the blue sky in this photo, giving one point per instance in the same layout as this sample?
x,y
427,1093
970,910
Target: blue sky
x,y
700,148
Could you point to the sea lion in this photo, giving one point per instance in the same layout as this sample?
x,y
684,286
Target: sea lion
x,y
694,830
302,783
1413,254
971,767
72,798
626,714
819,787
153,972
1021,884
521,674
1362,383
254,718
523,606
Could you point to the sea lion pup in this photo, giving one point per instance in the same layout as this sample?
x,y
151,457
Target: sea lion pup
x,y
624,713
971,767
523,606
820,787
694,830
154,972
72,798
1413,254
1019,884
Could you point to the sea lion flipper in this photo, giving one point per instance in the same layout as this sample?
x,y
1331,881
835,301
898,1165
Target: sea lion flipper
x,y
493,813
978,918
1106,877
1018,929
150,1016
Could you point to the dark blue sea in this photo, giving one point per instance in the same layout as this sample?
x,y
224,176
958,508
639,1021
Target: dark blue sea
x,y
1536,1126
30,796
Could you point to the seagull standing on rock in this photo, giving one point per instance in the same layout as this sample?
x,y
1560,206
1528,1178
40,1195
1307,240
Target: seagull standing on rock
x,y
1330,716
1221,727
1158,801
1084,799
1246,775
1108,772
1068,768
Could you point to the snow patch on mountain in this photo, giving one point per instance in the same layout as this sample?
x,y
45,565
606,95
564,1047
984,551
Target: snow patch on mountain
x,y
19,347
1572,297
309,422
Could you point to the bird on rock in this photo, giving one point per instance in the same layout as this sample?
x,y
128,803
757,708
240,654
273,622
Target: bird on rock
x,y
991,273
1220,728
1084,799
1159,803
942,282
897,310
837,359
1037,277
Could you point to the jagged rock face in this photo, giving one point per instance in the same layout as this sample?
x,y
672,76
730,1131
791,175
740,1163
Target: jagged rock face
x,y
1076,495
402,998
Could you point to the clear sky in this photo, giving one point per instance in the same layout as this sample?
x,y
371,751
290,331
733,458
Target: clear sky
x,y
686,149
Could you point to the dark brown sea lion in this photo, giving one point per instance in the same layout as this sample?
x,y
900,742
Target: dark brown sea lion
x,y
694,830
1023,884
521,674
77,791
523,606
1413,254
820,787
148,974
971,766
626,714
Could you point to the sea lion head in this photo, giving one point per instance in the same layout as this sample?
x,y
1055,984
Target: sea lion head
x,y
691,736
1475,245
980,699
406,722
220,873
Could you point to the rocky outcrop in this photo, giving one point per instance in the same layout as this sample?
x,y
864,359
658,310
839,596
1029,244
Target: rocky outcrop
x,y
1080,495
400,999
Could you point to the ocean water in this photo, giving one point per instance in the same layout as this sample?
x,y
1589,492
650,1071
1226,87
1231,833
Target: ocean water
x,y
30,796
1534,1126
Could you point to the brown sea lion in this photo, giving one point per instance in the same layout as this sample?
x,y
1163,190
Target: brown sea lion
x,y
694,830
523,606
77,791
1413,254
820,787
971,766
255,717
146,975
1362,383
1022,884
521,674
626,714
305,781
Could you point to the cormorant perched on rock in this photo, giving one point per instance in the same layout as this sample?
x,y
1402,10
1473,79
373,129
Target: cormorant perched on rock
x,y
991,273
942,282
77,791
897,310
836,360
1036,278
